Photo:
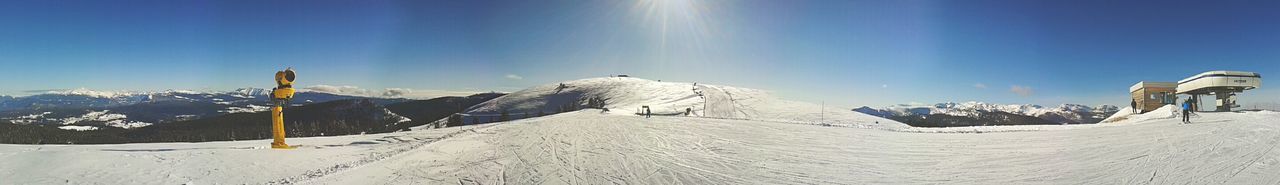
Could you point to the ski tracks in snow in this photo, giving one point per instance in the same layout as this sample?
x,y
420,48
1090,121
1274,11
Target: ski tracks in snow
x,y
376,156
591,148
721,103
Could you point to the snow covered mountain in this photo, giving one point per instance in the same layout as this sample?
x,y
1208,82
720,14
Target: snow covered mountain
x,y
1063,114
132,109
81,98
123,125
628,96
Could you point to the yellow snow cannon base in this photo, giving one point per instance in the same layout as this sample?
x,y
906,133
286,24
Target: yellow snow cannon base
x,y
277,128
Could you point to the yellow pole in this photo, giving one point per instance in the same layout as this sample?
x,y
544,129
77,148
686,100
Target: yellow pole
x,y
277,127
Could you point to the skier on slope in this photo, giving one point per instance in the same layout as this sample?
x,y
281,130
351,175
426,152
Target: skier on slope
x,y
1186,111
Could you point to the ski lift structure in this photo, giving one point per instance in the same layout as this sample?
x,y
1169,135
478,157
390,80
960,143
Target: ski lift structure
x,y
1222,85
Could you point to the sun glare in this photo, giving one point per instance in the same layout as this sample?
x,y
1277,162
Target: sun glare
x,y
686,26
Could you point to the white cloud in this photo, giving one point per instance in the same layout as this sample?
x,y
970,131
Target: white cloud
x,y
884,85
396,92
980,86
1021,90
388,92
428,94
514,77
343,90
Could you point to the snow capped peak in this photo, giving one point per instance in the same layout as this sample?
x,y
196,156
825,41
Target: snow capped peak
x,y
172,91
118,94
250,91
1073,113
1106,108
974,105
1073,108
92,93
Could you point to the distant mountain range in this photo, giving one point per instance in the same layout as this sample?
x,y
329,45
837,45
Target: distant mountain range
x,y
84,98
984,114
194,117
146,108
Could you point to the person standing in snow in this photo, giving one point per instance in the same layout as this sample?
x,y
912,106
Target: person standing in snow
x,y
1186,111
647,113
1133,104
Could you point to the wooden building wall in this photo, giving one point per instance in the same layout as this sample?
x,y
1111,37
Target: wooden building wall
x,y
1147,103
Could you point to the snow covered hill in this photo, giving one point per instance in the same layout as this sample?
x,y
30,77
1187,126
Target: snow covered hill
x,y
1065,113
588,147
1127,115
627,96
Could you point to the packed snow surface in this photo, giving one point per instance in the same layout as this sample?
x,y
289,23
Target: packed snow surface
x,y
1127,115
627,96
1119,115
589,147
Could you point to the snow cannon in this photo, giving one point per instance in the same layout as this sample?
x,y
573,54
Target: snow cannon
x,y
280,97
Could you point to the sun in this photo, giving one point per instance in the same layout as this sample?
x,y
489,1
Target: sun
x,y
678,25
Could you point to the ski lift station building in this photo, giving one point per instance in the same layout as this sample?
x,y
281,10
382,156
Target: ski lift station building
x,y
1149,96
1223,85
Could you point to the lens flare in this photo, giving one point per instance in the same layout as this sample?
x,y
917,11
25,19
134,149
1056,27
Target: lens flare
x,y
683,26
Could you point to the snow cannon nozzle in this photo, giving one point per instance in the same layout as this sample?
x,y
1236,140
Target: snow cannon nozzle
x,y
286,77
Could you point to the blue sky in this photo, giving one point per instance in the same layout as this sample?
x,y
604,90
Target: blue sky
x,y
844,53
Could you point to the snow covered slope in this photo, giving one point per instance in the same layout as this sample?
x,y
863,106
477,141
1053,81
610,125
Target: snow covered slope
x,y
588,147
593,148
626,96
234,162
1127,115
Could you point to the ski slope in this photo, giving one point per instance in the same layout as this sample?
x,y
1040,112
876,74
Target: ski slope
x,y
627,95
588,147
592,148
233,162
